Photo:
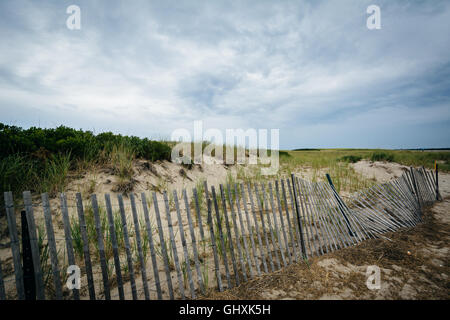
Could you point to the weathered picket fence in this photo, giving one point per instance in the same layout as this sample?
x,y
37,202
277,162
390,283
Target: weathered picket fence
x,y
230,235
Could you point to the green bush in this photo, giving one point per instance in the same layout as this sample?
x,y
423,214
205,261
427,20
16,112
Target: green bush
x,y
80,144
38,159
350,159
382,156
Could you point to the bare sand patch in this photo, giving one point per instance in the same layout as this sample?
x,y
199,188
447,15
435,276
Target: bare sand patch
x,y
378,170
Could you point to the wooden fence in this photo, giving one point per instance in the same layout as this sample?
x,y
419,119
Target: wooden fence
x,y
178,246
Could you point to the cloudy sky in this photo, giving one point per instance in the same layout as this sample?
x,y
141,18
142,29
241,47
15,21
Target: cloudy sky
x,y
309,68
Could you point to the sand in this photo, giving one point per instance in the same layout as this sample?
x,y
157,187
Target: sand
x,y
379,171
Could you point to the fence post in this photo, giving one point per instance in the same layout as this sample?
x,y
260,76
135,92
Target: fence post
x,y
2,284
28,267
438,195
15,244
339,201
297,211
416,189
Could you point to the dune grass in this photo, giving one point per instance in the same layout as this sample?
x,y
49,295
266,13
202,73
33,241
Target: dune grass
x,y
336,162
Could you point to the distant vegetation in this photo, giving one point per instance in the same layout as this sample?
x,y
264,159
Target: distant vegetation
x,y
44,160
336,163
351,158
382,156
39,159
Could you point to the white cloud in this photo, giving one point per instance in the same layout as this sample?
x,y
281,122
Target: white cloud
x,y
289,65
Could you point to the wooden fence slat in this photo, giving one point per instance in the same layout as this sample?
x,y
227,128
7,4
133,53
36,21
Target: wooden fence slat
x,y
396,211
393,196
250,231
244,237
52,246
275,225
309,207
403,202
409,191
40,289
294,219
137,233
263,226
333,213
193,241
86,253
358,231
307,224
394,222
148,228
68,237
101,247
356,217
367,203
326,234
229,237
115,247
381,213
297,215
408,183
163,245
328,211
421,184
2,284
433,184
199,214
127,247
174,246
318,250
269,223
187,260
288,219
271,230
236,232
283,226
222,242
416,188
399,211
407,200
261,247
213,244
324,210
15,244
429,184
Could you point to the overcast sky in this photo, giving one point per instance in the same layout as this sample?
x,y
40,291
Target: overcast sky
x,y
309,68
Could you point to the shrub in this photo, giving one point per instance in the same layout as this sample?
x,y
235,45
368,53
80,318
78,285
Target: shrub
x,y
38,159
382,156
350,159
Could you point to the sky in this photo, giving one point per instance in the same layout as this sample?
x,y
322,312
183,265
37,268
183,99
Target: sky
x,y
311,69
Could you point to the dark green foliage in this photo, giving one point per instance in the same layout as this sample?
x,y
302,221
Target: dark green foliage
x,y
284,154
350,159
38,159
382,156
41,143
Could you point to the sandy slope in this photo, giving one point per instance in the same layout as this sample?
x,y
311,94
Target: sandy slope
x,y
379,171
